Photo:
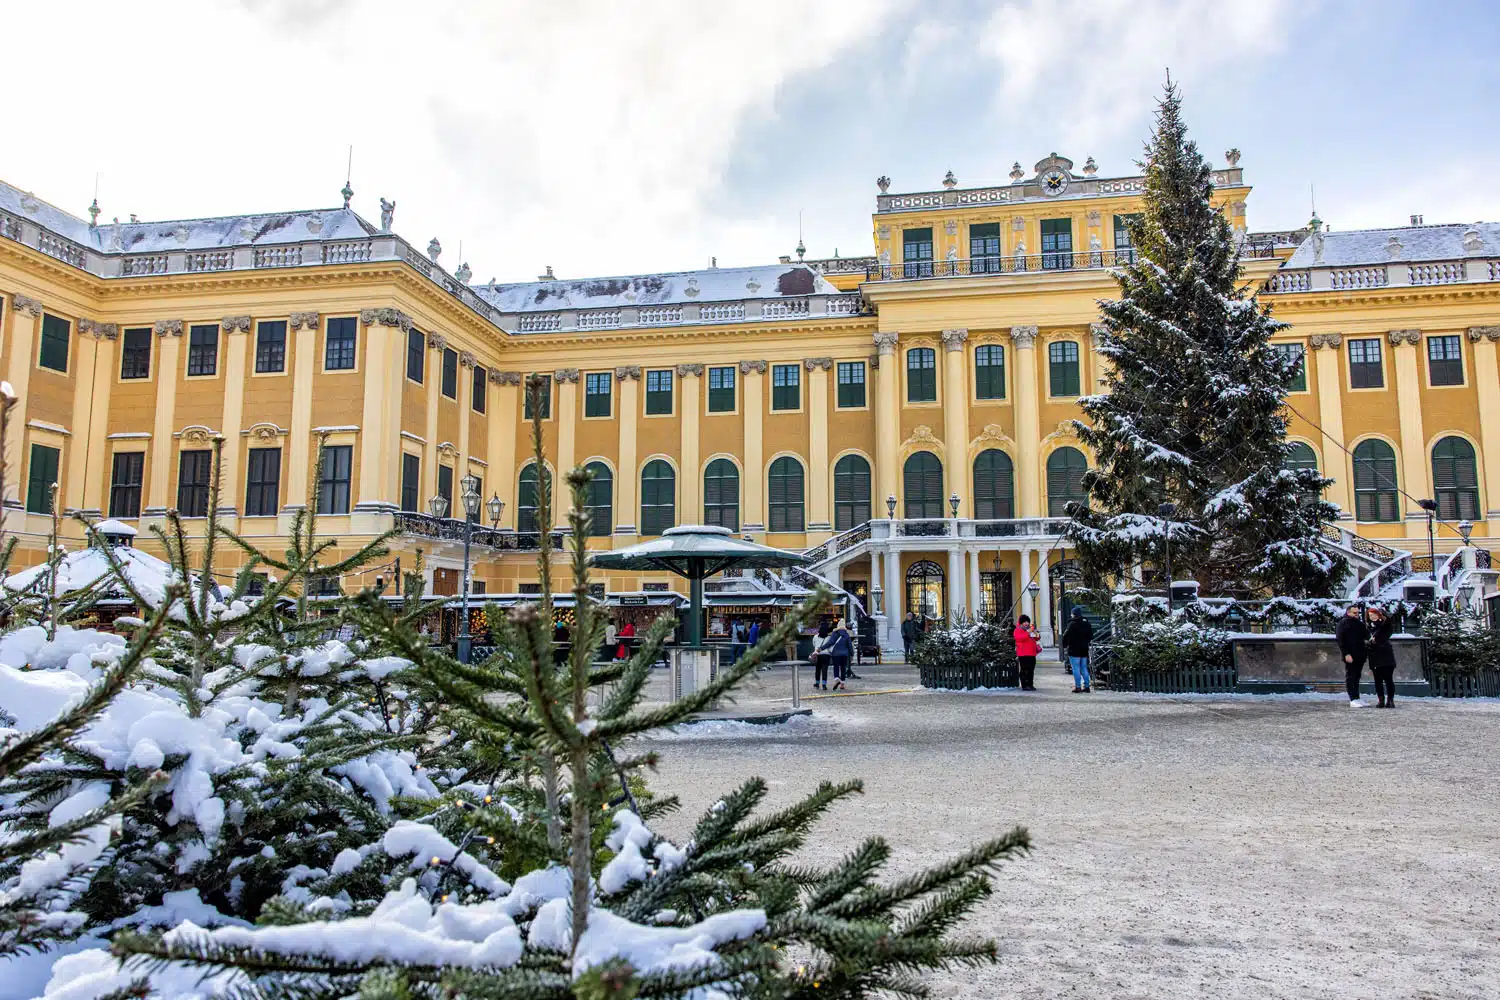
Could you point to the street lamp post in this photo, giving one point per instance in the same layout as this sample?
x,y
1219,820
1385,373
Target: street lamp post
x,y
497,508
1168,511
890,506
1430,506
473,503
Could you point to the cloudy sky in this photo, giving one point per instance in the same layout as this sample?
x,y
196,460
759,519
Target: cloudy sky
x,y
604,137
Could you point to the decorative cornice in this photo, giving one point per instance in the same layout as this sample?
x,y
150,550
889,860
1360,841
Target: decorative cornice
x,y
1412,337
746,367
385,316
230,324
885,341
168,327
99,331
1490,333
466,359
26,304
299,320
1318,341
505,378
922,437
994,434
954,339
631,373
265,431
683,371
437,341
198,434
1023,336
812,364
565,376
447,449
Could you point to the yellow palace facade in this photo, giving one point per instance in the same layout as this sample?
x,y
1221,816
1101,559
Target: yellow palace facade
x,y
903,416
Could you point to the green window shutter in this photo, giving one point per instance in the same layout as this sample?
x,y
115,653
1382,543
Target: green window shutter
x,y
41,474
1455,480
659,393
1375,484
851,492
1063,364
786,495
527,499
600,505
923,486
54,347
921,375
658,497
721,390
989,371
1294,352
721,494
1065,469
994,485
851,376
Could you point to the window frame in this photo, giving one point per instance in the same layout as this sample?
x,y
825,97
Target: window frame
x,y
986,252
1458,501
136,374
191,492
851,368
922,502
122,493
654,521
733,389
996,371
411,482
604,477
349,344
527,512
921,374
1001,505
258,487
416,356
846,508
591,394
1446,340
39,488
546,398
652,399
1053,362
1126,252
1057,501
1359,370
1377,493
340,500
714,510
196,352
50,336
1056,257
262,327
921,265
449,375
1287,347
478,386
780,391
787,515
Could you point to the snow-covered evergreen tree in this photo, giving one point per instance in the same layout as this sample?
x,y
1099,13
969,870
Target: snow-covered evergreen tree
x,y
1192,407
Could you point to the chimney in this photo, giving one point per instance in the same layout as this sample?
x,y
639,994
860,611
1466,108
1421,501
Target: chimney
x,y
1416,220
549,276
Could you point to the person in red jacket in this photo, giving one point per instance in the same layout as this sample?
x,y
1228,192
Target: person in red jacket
x,y
1027,649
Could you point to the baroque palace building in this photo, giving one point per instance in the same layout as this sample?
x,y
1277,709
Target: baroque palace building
x,y
904,416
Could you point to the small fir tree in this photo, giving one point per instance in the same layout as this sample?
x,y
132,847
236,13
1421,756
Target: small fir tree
x,y
1193,407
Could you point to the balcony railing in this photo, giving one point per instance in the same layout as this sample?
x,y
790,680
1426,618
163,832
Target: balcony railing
x,y
451,529
1390,275
1059,260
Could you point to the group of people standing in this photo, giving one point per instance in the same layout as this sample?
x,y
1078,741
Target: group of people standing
x,y
1360,643
1076,639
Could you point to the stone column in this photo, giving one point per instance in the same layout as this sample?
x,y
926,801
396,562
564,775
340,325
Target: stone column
x,y
25,327
689,458
975,591
895,596
887,420
1044,597
1022,579
820,514
96,477
158,497
628,479
956,589
505,409
1487,381
236,330
752,482
437,344
1028,433
567,440
385,332
1416,474
304,327
1336,464
956,417
83,370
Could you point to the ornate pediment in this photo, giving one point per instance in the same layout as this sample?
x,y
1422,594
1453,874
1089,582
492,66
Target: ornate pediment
x,y
197,434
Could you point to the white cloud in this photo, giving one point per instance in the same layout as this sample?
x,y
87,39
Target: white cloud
x,y
592,135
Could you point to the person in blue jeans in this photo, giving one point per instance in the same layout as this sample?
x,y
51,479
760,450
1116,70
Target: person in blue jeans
x,y
1075,639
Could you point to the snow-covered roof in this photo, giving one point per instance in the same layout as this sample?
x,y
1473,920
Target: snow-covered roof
x,y
110,526
717,284
77,570
1405,243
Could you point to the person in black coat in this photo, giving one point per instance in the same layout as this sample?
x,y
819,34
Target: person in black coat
x,y
1075,639
1383,658
1353,639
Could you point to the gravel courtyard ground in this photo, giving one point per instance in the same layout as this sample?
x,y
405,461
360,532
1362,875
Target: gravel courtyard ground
x,y
1241,847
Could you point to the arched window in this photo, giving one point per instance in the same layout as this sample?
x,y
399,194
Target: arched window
x,y
851,492
658,497
1375,482
721,494
1300,456
1065,469
1455,480
921,375
527,501
786,492
601,500
923,478
926,590
994,485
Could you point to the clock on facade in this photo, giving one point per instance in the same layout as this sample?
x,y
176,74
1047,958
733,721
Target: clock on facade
x,y
1054,181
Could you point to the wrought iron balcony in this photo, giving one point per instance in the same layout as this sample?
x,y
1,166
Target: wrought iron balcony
x,y
451,529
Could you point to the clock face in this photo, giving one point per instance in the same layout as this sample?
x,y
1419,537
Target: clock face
x,y
1054,182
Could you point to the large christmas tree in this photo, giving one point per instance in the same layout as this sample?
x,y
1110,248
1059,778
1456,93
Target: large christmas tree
x,y
1192,411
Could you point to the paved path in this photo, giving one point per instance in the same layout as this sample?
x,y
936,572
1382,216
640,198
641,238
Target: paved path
x,y
1245,847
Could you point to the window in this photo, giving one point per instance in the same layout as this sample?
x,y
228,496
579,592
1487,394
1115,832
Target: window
x,y
194,469
721,494
528,500
1364,365
598,394
851,384
658,497
1299,458
416,355
203,349
546,396
125,478
135,353
333,479
600,502
270,346
450,373
445,487
921,375
916,252
529,588
989,371
338,343
476,402
984,248
786,494
1445,361
263,482
994,486
1455,479
1065,469
658,393
922,479
1375,481
926,590
1125,251
721,390
851,492
786,387
40,476
1294,354
1057,244
1062,367
54,348
411,482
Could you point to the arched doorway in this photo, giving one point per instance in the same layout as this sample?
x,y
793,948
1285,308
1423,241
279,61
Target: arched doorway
x,y
926,590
